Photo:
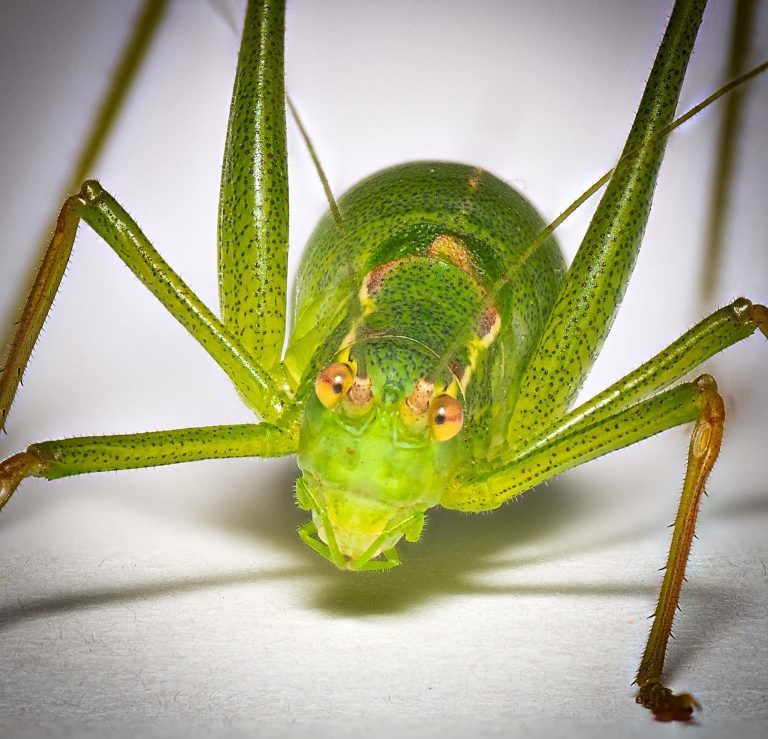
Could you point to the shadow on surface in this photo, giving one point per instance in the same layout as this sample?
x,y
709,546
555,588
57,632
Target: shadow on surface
x,y
455,550
456,553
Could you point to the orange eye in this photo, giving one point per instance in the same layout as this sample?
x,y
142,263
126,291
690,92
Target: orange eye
x,y
333,382
445,417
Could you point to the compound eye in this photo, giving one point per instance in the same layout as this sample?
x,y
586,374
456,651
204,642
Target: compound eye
x,y
445,417
333,382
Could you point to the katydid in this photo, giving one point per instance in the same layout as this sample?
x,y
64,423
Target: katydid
x,y
435,352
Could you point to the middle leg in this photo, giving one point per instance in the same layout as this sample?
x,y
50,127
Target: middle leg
x,y
697,401
716,332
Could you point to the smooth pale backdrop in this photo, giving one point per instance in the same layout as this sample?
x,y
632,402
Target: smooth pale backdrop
x,y
180,600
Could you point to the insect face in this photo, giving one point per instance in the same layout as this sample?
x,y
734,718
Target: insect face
x,y
372,468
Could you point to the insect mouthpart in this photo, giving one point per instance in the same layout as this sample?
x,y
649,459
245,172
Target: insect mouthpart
x,y
355,531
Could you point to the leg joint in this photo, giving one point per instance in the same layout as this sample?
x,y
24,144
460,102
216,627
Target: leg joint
x,y
708,432
14,469
751,314
90,193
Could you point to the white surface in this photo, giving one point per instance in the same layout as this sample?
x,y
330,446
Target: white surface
x,y
180,600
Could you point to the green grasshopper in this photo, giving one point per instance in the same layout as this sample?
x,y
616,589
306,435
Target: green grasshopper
x,y
426,362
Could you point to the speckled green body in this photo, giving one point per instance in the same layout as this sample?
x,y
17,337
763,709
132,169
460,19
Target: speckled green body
x,y
383,263
431,269
397,214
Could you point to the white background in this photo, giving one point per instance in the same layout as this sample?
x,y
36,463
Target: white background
x,y
181,599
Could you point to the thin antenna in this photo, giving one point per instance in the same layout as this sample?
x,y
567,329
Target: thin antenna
x,y
318,167
542,236
227,15
358,351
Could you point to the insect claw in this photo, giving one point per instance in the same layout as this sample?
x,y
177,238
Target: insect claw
x,y
666,705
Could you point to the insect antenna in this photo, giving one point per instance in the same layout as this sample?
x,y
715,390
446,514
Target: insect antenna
x,y
362,382
462,334
226,14
318,167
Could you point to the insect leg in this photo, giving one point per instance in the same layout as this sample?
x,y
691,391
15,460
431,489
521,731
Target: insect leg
x,y
253,202
147,24
745,13
718,331
617,417
66,457
695,401
594,286
702,453
97,208
572,446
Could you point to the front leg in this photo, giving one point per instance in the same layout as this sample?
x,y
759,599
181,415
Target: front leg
x,y
67,457
105,215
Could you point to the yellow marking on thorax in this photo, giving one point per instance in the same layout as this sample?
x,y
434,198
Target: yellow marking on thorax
x,y
452,249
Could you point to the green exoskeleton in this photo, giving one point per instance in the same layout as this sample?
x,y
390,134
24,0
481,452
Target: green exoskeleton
x,y
436,344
